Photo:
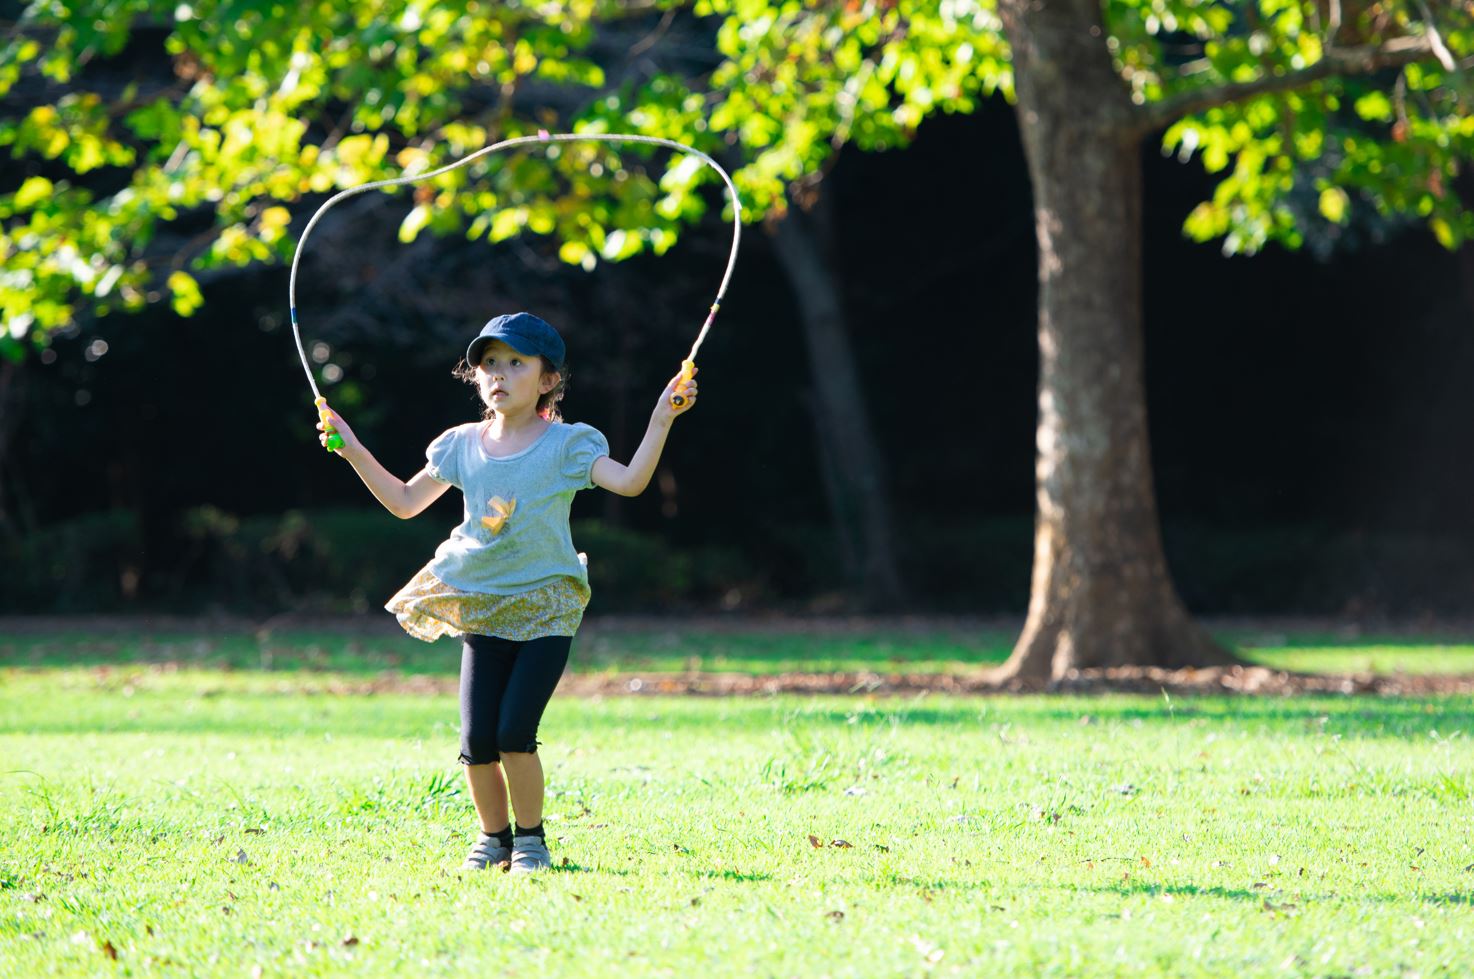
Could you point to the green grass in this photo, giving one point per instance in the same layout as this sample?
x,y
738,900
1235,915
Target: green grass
x,y
924,649
1326,654
208,822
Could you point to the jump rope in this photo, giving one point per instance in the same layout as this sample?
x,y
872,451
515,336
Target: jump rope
x,y
543,138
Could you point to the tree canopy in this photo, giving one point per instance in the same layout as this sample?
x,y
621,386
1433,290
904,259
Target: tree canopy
x,y
134,188
1316,113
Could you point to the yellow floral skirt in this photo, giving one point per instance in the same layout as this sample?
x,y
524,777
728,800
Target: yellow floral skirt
x,y
428,608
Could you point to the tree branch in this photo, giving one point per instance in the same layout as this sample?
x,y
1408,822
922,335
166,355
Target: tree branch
x,y
1445,57
1333,25
1337,62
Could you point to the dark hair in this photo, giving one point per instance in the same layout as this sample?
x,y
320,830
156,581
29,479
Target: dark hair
x,y
547,404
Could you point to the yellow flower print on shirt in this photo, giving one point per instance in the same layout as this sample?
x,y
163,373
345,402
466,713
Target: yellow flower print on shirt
x,y
501,511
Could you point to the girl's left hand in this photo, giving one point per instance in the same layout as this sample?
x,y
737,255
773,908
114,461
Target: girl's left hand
x,y
668,410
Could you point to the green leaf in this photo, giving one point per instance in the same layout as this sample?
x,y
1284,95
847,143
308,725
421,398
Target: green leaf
x,y
32,192
619,245
413,223
578,253
1333,204
186,293
1444,232
1375,107
273,223
507,223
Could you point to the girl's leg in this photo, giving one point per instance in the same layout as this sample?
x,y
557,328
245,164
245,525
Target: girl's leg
x,y
489,794
538,666
525,782
486,664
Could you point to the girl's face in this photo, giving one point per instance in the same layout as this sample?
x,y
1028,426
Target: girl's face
x,y
511,382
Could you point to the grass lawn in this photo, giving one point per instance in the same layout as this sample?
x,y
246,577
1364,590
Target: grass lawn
x,y
202,822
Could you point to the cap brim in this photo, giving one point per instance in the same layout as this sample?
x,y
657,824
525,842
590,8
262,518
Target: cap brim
x,y
478,347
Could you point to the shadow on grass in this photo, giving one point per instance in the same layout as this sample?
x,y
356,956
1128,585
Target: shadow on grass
x,y
1368,717
360,654
736,877
1275,897
991,721
1362,717
566,866
929,884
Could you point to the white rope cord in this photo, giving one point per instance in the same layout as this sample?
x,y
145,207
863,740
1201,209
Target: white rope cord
x,y
542,138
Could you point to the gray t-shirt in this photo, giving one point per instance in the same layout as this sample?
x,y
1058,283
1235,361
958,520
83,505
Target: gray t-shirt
x,y
514,536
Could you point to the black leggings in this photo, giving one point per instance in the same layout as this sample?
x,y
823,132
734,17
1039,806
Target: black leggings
x,y
505,686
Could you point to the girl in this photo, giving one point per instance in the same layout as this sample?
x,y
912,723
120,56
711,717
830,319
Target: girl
x,y
508,580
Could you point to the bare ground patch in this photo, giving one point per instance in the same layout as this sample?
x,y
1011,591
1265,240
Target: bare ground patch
x,y
1236,681
1241,680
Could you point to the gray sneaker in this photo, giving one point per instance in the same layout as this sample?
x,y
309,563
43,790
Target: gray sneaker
x,y
530,853
487,852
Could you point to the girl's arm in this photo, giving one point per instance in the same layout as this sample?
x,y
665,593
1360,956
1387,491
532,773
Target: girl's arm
x,y
404,500
631,480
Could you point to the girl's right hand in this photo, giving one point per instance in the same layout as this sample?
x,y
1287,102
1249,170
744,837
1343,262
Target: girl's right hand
x,y
350,441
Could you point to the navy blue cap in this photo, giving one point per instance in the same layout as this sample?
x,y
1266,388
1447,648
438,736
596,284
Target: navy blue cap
x,y
524,333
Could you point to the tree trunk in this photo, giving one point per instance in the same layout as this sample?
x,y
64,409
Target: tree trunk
x,y
849,459
1101,592
10,409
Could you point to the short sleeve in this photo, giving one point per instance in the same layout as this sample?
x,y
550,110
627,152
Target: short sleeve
x,y
442,458
582,447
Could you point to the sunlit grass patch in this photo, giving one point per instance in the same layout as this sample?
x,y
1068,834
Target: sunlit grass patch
x,y
201,827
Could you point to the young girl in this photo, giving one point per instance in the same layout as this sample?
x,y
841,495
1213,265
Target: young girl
x,y
508,581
